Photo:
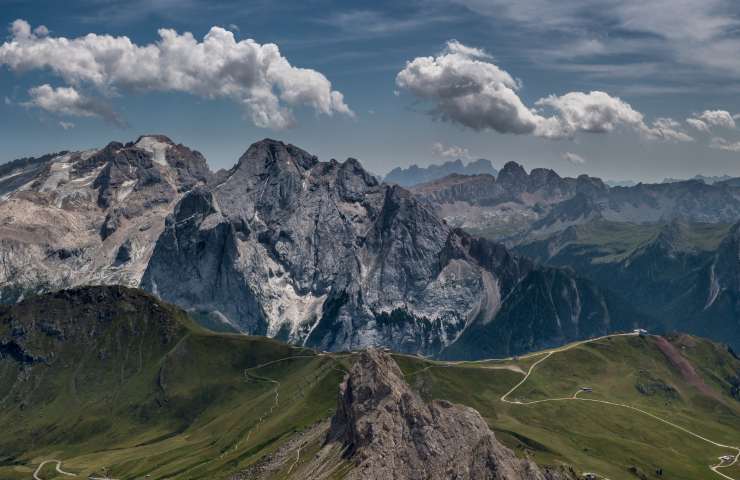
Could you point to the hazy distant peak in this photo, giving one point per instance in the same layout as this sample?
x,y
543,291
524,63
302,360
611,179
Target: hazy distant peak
x,y
415,175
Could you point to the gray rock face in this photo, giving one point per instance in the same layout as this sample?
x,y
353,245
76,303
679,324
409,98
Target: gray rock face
x,y
319,253
387,431
312,252
89,217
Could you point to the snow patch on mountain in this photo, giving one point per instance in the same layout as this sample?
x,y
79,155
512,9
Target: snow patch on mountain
x,y
156,147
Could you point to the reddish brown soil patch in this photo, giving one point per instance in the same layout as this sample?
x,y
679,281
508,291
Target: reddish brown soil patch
x,y
688,372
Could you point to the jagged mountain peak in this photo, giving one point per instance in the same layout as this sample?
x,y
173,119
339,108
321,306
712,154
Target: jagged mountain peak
x,y
269,153
154,137
541,176
387,431
285,245
512,169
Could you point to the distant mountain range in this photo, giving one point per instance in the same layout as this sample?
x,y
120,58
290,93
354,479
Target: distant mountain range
x,y
517,204
669,250
284,245
321,254
414,175
702,178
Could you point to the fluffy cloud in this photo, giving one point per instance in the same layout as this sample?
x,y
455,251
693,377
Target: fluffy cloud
x,y
256,76
68,101
451,151
666,129
573,158
593,112
700,125
466,87
720,143
712,118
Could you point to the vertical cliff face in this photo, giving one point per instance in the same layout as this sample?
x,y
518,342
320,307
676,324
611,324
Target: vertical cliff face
x,y
307,251
321,254
387,431
316,253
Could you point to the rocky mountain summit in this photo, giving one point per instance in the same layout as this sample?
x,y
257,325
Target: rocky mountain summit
x,y
313,252
505,205
321,254
90,217
387,431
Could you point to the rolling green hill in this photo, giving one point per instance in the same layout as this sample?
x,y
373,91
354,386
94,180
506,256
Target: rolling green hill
x,y
110,378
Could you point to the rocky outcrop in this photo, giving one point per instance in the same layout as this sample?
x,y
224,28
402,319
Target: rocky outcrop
x,y
387,431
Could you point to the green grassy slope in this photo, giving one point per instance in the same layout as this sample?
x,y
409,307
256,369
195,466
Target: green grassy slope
x,y
614,441
140,392
603,242
111,378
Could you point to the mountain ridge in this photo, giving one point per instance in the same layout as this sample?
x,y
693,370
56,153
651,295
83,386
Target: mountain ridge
x,y
415,175
313,252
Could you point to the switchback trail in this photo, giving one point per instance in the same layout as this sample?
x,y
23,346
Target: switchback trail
x,y
58,469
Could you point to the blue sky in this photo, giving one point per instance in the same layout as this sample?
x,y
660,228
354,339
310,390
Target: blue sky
x,y
666,59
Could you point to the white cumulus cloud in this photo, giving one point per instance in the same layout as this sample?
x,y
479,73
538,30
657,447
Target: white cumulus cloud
x,y
573,158
666,129
450,151
698,124
720,143
593,112
466,87
712,118
68,101
254,75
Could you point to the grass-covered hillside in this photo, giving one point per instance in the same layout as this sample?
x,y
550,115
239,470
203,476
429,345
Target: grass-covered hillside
x,y
111,378
688,381
110,381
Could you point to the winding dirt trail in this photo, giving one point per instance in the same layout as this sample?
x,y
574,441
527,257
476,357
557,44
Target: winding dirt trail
x,y
715,468
58,469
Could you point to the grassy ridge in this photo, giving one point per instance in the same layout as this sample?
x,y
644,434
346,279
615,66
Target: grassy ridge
x,y
140,390
613,441
129,399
